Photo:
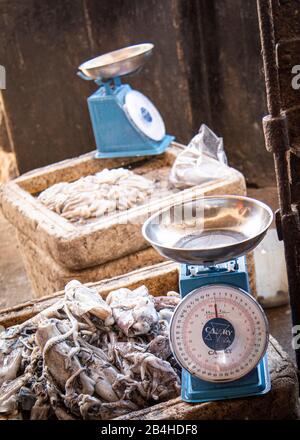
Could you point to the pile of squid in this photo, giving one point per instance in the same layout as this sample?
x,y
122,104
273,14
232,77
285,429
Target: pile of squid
x,y
89,358
93,196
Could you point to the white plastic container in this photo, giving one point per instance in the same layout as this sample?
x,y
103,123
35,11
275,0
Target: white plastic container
x,y
270,270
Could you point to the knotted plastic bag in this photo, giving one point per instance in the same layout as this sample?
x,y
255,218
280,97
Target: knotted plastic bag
x,y
202,161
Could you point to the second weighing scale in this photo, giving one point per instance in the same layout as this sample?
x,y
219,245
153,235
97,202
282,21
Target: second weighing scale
x,y
125,122
218,332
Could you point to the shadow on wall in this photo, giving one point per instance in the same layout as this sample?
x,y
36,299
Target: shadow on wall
x,y
206,67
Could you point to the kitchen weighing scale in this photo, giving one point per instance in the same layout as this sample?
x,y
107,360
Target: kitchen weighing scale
x,y
124,121
218,332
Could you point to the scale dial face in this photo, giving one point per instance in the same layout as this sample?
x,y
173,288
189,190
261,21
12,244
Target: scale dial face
x,y
145,115
218,333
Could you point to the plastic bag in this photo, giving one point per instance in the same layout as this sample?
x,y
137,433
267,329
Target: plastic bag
x,y
202,161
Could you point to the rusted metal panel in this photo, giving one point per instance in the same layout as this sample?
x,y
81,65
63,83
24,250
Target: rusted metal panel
x,y
280,34
287,51
287,39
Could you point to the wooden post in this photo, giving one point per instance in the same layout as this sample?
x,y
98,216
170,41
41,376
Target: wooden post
x,y
273,18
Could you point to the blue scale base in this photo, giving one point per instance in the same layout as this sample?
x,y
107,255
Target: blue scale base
x,y
139,151
257,382
115,134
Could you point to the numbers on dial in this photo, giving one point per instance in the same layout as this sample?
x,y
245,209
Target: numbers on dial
x,y
218,333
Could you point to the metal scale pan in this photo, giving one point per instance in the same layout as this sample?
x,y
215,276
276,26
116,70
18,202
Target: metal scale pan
x,y
125,122
209,230
117,63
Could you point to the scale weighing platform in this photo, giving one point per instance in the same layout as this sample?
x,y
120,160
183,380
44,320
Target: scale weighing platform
x,y
125,122
218,332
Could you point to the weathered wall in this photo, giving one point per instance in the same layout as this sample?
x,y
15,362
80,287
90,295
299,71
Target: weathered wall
x,y
206,67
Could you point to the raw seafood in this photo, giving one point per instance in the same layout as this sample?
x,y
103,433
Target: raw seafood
x,y
133,311
93,196
88,358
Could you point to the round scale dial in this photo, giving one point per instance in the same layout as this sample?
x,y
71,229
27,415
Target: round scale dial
x,y
218,333
144,115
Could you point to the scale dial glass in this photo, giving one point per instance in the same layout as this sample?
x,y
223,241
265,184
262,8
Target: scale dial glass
x,y
219,333
144,115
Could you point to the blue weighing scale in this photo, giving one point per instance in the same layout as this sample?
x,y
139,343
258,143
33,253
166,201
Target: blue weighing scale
x,y
218,332
125,122
224,284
